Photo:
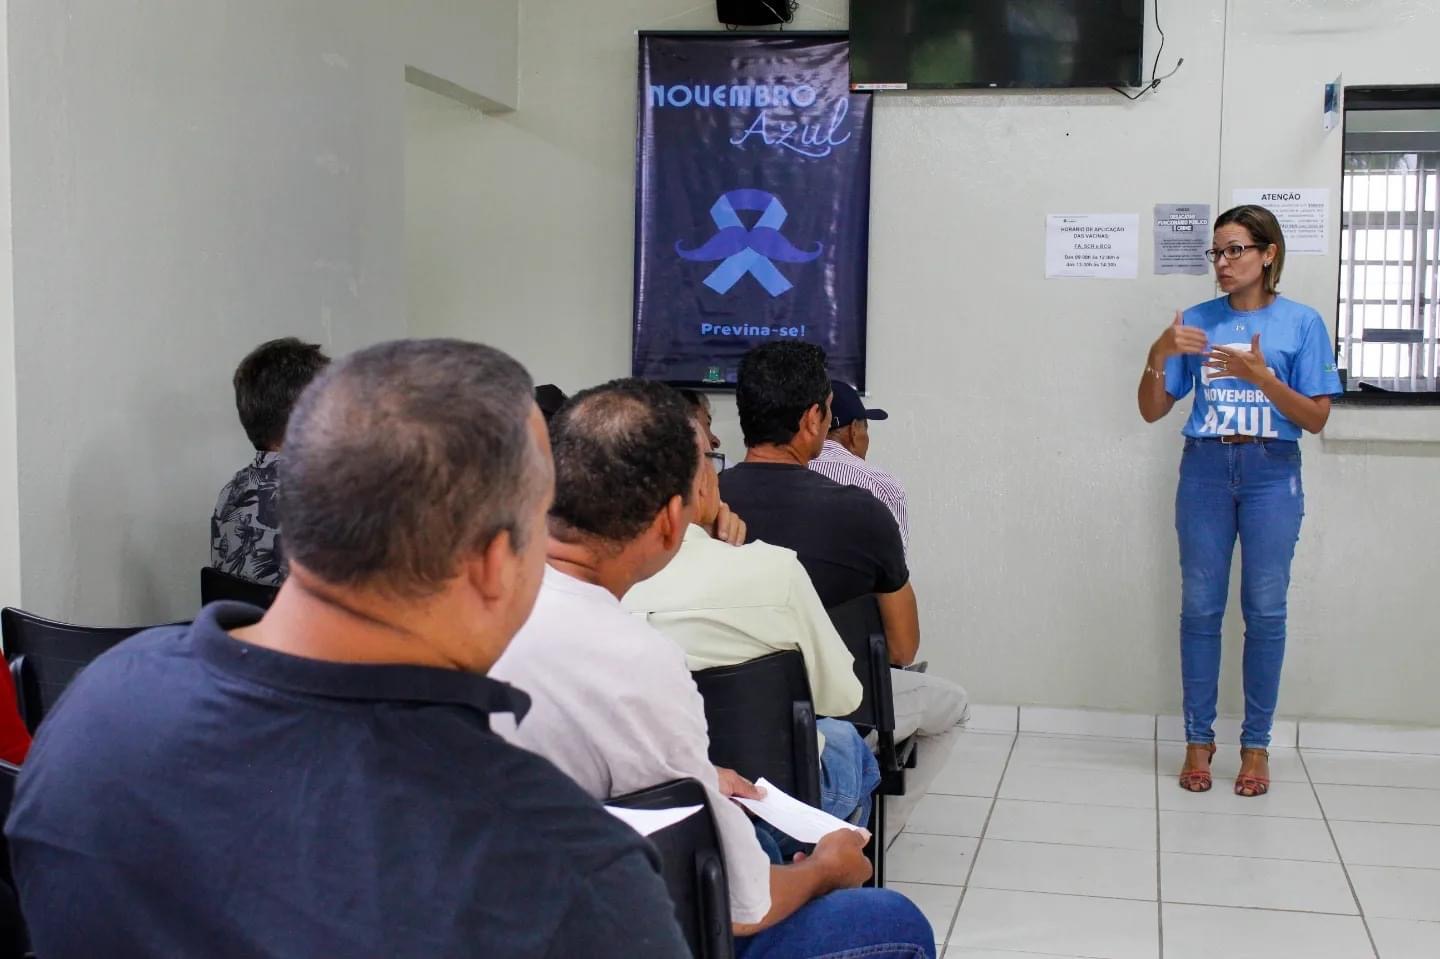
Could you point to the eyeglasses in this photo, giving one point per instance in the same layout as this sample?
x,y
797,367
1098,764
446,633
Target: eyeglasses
x,y
1234,251
717,461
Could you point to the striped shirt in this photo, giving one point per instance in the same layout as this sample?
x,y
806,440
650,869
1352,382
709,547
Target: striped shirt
x,y
843,466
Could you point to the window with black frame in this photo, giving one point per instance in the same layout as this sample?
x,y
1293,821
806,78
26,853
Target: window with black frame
x,y
1388,324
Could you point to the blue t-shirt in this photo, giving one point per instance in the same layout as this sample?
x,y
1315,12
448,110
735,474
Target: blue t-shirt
x,y
1296,346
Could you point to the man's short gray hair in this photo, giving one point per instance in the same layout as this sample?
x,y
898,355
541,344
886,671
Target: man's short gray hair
x,y
405,457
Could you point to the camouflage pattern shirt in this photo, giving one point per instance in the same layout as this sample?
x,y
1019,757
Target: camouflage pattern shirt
x,y
244,530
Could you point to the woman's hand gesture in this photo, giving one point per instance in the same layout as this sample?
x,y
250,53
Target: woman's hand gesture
x,y
1178,340
1247,365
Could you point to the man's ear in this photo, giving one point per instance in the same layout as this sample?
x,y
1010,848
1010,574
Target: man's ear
x,y
672,523
492,571
814,420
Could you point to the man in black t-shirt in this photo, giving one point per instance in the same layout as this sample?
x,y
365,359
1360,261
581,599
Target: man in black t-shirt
x,y
855,550
847,539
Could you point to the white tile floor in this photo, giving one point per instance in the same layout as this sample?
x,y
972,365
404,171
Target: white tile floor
x,y
1036,845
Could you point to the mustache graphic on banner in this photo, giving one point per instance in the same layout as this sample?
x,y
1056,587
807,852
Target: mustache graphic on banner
x,y
748,250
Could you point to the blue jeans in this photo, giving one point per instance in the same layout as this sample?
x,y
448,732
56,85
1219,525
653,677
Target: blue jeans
x,y
849,924
1251,490
849,772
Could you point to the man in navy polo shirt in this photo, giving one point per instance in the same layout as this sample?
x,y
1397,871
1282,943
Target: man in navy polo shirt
x,y
323,781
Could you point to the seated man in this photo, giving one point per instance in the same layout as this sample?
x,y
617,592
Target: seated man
x,y
614,704
323,781
730,604
700,409
842,457
244,529
846,538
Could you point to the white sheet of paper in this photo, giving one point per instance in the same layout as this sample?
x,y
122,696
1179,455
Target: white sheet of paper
x,y
1303,212
1099,245
648,821
791,816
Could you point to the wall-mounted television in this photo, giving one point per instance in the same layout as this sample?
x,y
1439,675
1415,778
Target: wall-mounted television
x,y
946,44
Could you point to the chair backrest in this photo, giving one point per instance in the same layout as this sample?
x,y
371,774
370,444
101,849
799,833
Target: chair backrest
x,y
762,722
216,584
858,623
45,656
693,866
9,772
13,941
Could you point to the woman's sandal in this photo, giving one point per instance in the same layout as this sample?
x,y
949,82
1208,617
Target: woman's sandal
x,y
1193,778
1250,786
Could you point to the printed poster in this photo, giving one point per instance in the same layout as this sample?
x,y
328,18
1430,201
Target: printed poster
x,y
1304,215
1098,245
752,203
1182,235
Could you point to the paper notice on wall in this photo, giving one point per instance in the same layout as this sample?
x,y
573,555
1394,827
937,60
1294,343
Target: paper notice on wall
x,y
1102,245
1304,215
1332,96
1182,235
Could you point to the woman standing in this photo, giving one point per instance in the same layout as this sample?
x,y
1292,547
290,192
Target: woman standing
x,y
1263,369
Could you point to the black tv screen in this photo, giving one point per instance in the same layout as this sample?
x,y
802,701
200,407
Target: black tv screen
x,y
940,44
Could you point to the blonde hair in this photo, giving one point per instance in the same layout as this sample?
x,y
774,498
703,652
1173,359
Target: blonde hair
x,y
1265,230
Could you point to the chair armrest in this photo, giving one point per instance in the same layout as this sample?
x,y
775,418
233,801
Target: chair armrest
x,y
716,936
880,682
807,754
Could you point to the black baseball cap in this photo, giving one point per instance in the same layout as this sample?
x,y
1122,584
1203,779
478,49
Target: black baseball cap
x,y
846,407
549,398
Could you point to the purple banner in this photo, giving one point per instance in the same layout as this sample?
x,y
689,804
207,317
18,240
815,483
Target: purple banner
x,y
753,203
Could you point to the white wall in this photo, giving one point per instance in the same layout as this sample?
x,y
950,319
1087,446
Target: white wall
x,y
468,47
189,179
1363,614
1043,548
519,226
9,452
1044,553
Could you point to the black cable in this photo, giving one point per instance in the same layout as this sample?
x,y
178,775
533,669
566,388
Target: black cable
x,y
1156,68
1155,80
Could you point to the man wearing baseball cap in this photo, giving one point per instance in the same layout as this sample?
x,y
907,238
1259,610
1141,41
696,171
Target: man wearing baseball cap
x,y
842,458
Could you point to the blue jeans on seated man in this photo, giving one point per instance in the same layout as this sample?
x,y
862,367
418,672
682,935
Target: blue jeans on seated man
x,y
1252,491
849,924
849,775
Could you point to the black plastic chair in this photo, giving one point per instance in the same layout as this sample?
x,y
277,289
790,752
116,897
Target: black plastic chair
x,y
693,866
858,623
13,940
762,722
216,584
45,656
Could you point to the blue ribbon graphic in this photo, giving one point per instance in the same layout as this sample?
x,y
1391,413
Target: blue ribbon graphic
x,y
748,251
